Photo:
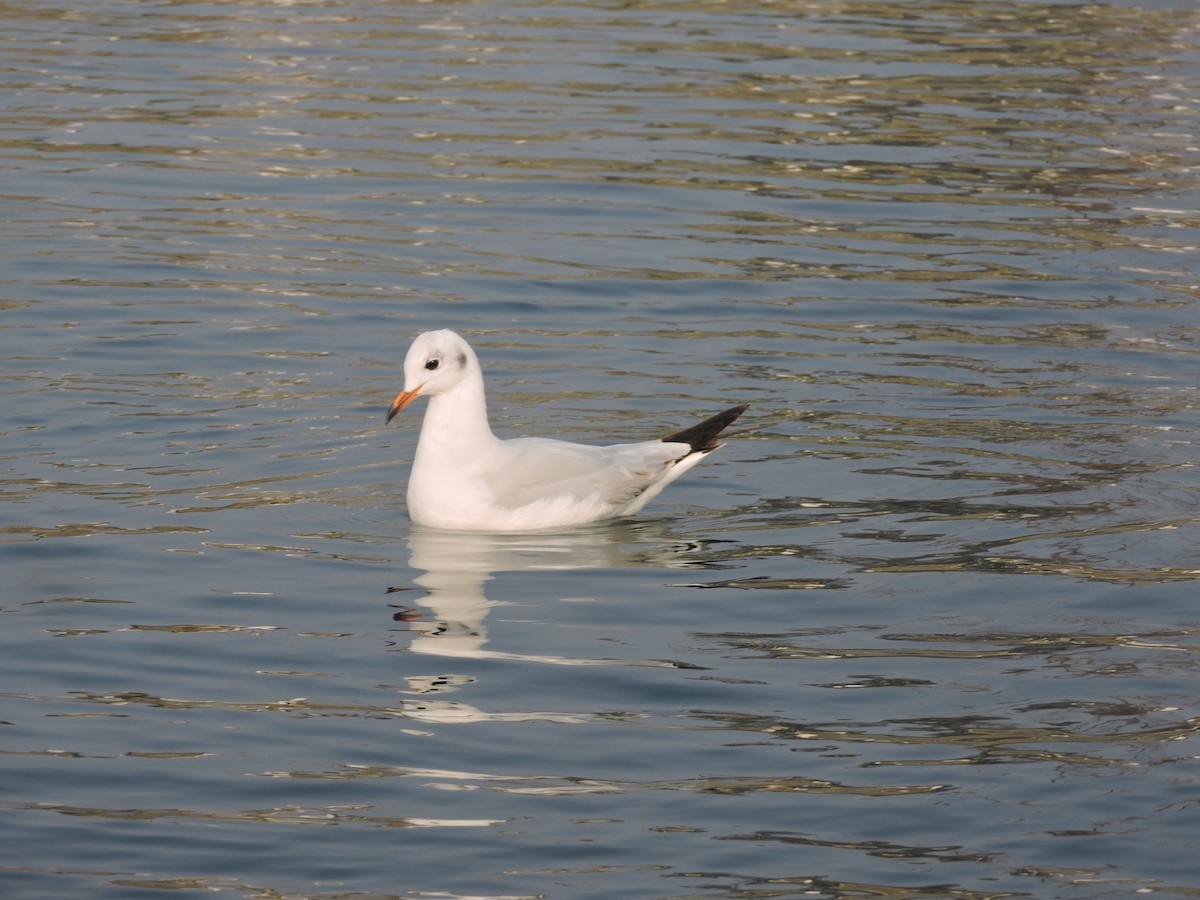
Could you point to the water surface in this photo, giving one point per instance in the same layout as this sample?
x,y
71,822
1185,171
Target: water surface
x,y
926,626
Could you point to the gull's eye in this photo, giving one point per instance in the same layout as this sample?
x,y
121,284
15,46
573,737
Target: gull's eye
x,y
432,364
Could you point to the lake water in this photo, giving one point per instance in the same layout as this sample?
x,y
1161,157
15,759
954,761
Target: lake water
x,y
927,626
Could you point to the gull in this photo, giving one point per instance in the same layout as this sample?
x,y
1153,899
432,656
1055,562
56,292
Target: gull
x,y
464,478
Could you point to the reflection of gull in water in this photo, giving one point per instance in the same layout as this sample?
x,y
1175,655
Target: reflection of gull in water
x,y
457,565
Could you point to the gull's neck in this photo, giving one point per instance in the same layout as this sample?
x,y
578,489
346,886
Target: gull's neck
x,y
456,421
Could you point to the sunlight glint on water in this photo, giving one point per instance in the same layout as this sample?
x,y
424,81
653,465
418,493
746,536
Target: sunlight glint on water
x,y
924,627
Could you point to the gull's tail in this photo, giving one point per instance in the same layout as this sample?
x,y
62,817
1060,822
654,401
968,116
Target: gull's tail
x,y
702,438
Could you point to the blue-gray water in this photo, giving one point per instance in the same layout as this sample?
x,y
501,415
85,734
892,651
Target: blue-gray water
x,y
928,624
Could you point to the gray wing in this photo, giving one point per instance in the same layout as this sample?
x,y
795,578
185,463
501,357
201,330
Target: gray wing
x,y
538,469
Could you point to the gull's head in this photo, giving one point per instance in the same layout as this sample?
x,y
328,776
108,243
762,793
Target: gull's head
x,y
436,362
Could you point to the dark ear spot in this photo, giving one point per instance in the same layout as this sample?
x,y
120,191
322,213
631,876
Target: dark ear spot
x,y
462,360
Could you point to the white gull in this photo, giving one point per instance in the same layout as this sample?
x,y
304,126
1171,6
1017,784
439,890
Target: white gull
x,y
465,478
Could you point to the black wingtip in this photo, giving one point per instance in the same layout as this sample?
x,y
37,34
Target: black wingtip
x,y
703,437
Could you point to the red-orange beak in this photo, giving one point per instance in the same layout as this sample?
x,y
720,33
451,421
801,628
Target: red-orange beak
x,y
402,400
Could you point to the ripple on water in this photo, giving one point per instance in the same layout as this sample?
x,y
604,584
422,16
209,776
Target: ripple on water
x,y
925,626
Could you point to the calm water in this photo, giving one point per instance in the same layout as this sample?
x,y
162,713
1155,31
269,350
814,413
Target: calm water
x,y
927,626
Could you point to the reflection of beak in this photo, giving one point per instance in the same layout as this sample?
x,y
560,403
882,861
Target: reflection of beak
x,y
402,400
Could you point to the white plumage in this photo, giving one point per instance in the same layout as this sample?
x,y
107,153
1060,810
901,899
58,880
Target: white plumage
x,y
465,478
